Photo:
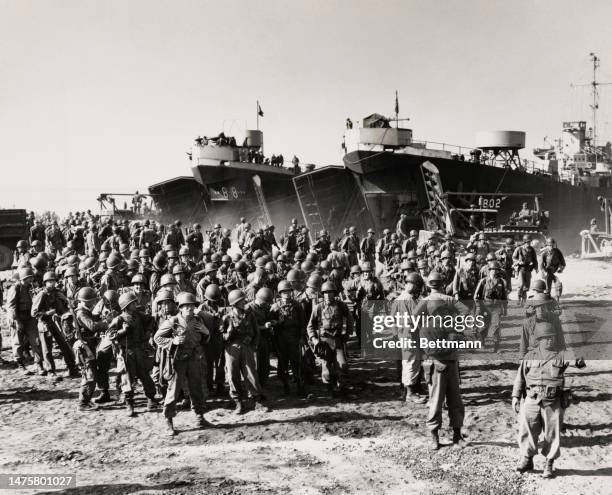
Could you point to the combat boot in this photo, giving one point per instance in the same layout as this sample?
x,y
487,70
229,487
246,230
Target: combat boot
x,y
458,440
42,371
260,406
87,406
525,465
130,408
201,422
548,469
170,431
151,405
239,409
103,398
412,394
434,440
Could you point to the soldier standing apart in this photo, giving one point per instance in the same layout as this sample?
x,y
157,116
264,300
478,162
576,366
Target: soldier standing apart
x,y
552,262
441,365
540,383
184,337
240,334
328,334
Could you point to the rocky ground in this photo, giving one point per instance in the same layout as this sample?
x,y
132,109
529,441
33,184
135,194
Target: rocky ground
x,y
368,442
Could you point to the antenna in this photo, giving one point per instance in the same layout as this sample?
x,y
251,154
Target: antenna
x,y
595,94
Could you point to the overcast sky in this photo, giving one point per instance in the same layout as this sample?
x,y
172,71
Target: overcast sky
x,y
106,96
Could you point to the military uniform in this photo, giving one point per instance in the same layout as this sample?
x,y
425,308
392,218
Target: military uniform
x,y
215,356
85,348
263,342
24,331
525,259
189,362
492,300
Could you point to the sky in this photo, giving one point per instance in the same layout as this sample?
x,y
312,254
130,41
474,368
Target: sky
x,y
107,96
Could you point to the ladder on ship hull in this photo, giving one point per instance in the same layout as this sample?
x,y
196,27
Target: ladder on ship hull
x,y
308,205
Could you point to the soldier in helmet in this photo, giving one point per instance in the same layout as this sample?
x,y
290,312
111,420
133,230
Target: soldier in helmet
x,y
195,241
411,243
447,269
478,244
552,262
381,246
48,303
504,256
350,245
37,233
21,256
143,296
368,248
260,307
465,281
239,329
289,325
186,261
183,284
525,261
541,386
225,243
184,337
210,277
72,283
490,259
441,365
212,310
23,326
111,280
131,330
540,307
338,260
88,332
370,289
491,301
328,329
322,245
106,309
406,303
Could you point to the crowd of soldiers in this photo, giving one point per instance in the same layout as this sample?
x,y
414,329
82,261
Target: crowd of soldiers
x,y
186,313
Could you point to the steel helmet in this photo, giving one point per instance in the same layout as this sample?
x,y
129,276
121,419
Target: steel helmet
x,y
420,251
217,226
413,233
386,231
164,295
312,257
495,265
412,254
406,265
355,269
87,294
333,246
38,263
470,256
422,264
366,267
445,255
103,256
328,287
167,279
235,297
184,251
544,329
172,255
509,241
138,279
314,281
206,250
134,254
293,276
414,278
36,243
307,267
215,258
25,273
126,299
264,295
236,257
260,262
490,257
49,276
176,269
270,266
113,260
324,265
526,238
257,253
111,296
479,258
300,256
226,258
123,248
284,285
435,279
539,285
167,247
481,236
72,260
185,298
212,292
241,266
133,265
71,271
22,244
397,250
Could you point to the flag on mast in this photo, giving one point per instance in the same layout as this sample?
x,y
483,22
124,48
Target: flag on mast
x,y
259,110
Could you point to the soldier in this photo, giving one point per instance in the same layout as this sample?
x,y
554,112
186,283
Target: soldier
x,y
111,280
132,329
195,241
465,281
182,281
239,333
411,243
368,248
540,382
489,260
478,244
106,309
322,245
491,301
504,256
23,325
37,233
260,307
381,245
441,367
210,277
289,324
447,269
406,303
339,260
540,307
72,283
370,287
350,245
328,329
183,337
21,256
270,239
48,303
87,335
525,261
552,261
212,311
